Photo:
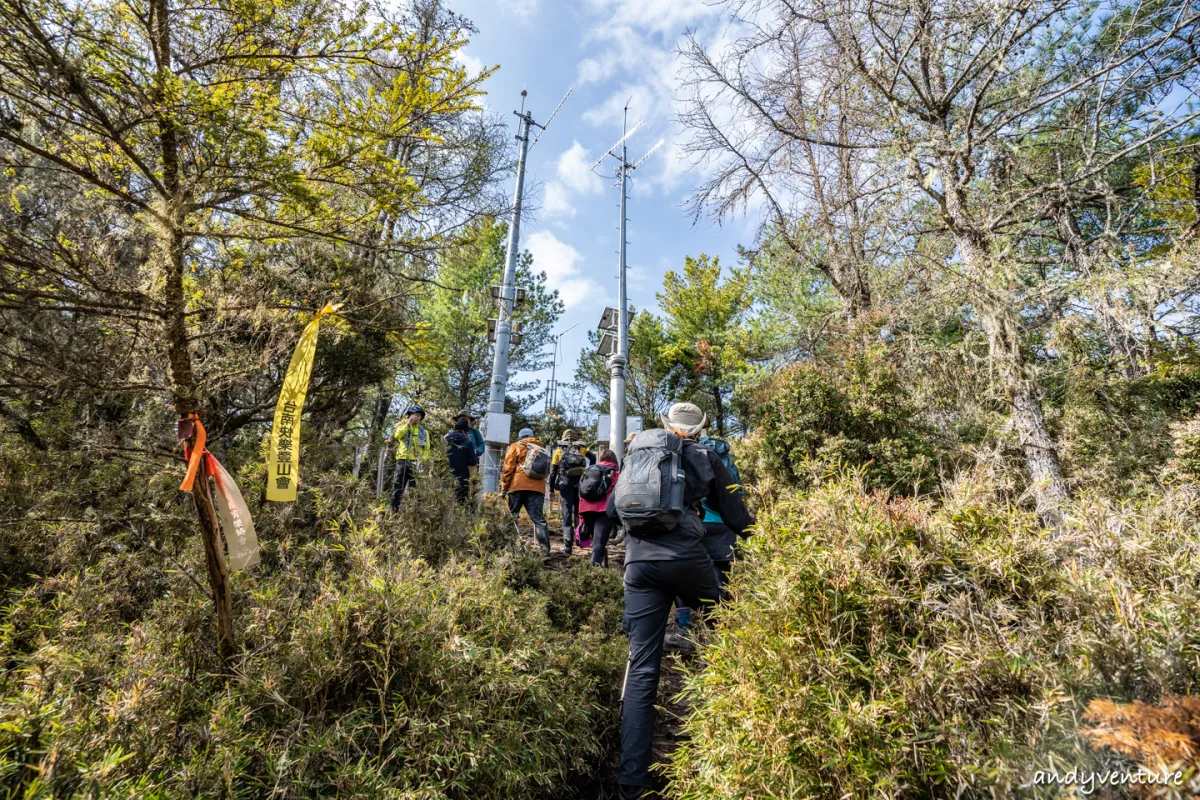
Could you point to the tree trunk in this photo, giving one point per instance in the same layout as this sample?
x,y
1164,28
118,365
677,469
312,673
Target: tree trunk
x,y
23,428
464,389
856,293
996,311
720,407
171,246
383,404
1041,456
385,461
218,571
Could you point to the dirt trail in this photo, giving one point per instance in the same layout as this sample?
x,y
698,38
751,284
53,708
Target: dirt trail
x,y
668,728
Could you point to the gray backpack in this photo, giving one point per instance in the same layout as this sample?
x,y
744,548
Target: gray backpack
x,y
649,493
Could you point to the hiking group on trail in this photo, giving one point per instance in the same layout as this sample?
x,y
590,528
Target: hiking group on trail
x,y
677,499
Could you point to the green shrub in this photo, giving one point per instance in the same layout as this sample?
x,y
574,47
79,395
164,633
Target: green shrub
x,y
893,648
813,420
377,660
579,595
1185,441
1118,433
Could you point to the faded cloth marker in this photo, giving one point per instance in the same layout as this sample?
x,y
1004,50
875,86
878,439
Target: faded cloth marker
x,y
283,465
236,525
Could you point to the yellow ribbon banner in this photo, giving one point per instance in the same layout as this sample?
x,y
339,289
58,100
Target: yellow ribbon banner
x,y
283,465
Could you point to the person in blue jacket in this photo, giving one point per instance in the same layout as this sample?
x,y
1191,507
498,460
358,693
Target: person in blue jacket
x,y
472,431
719,539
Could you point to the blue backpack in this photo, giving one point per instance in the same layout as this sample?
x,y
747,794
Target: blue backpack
x,y
721,448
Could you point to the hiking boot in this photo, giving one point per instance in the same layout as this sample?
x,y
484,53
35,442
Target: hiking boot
x,y
680,644
683,619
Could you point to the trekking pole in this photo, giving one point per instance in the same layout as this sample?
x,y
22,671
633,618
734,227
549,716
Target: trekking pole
x,y
625,681
516,528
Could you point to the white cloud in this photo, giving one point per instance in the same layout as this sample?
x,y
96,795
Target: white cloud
x,y
593,70
574,178
519,8
624,48
663,17
562,264
643,104
635,44
637,276
470,63
557,202
573,170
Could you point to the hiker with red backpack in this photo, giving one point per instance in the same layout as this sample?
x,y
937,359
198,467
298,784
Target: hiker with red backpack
x,y
523,482
595,486
665,476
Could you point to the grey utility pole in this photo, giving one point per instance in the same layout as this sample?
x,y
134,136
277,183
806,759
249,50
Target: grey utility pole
x,y
620,356
618,360
508,293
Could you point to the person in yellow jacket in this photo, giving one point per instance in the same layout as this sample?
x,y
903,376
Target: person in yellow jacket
x,y
412,451
569,461
523,482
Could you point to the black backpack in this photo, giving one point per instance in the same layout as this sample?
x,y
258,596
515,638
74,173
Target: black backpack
x,y
596,482
573,463
649,494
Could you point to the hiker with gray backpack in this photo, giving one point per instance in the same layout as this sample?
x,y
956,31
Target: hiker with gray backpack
x,y
665,476
523,482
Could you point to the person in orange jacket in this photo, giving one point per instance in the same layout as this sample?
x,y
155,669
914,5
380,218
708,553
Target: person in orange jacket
x,y
523,482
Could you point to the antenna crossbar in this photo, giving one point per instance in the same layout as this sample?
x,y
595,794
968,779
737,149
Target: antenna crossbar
x,y
610,151
551,118
649,153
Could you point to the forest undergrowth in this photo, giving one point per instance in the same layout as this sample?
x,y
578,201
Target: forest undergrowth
x,y
418,656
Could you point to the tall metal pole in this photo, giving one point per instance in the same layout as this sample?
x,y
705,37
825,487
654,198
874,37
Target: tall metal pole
x,y
618,360
504,326
552,394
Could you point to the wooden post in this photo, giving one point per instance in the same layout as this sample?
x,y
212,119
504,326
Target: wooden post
x,y
214,557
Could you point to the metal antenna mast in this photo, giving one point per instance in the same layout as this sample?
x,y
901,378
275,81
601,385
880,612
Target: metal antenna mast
x,y
552,393
620,356
508,292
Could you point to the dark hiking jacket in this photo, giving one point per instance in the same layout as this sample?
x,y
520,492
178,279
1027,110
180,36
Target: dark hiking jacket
x,y
460,452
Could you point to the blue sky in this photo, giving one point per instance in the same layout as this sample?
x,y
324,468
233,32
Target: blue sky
x,y
607,51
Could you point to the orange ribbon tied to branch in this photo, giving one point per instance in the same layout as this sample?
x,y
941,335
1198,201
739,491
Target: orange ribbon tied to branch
x,y
233,516
184,429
